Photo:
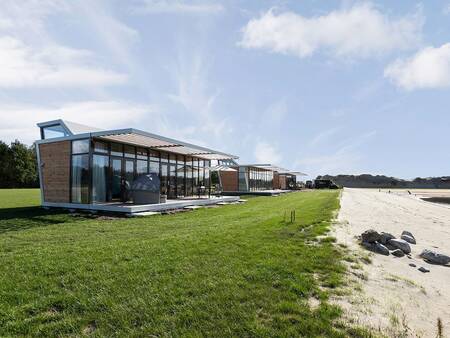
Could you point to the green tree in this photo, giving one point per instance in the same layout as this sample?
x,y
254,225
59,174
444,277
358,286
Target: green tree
x,y
18,166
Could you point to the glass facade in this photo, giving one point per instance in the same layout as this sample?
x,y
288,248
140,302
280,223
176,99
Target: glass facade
x,y
114,166
291,181
80,146
254,179
243,179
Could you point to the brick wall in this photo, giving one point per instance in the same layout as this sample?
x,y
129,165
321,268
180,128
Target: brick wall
x,y
229,180
276,180
282,182
55,161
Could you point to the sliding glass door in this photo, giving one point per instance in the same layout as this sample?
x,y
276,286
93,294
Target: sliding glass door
x,y
116,180
100,168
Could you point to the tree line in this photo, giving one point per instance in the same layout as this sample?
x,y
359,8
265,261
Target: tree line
x,y
18,166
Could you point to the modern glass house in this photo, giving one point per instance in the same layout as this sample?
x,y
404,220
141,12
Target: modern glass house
x,y
83,166
258,179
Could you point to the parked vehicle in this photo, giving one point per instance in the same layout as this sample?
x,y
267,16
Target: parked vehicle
x,y
325,184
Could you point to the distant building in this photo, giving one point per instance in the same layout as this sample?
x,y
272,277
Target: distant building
x,y
258,179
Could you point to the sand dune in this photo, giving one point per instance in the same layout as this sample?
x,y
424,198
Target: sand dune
x,y
395,296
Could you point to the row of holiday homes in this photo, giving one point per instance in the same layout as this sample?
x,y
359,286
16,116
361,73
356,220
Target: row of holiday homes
x,y
83,166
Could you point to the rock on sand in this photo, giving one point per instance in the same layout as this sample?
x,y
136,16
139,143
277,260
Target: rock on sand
x,y
400,244
435,257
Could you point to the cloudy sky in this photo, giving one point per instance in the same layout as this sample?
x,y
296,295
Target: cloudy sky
x,y
317,86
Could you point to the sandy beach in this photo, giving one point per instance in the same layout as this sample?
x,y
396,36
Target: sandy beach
x,y
396,298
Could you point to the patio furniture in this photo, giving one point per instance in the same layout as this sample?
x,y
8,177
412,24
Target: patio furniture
x,y
145,189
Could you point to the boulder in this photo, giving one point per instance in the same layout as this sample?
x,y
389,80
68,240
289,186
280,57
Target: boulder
x,y
400,244
370,236
407,233
409,239
397,253
385,237
422,269
412,264
376,247
434,257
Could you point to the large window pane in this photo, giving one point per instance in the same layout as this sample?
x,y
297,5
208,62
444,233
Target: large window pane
x,y
201,182
207,175
154,167
141,167
100,165
80,146
54,131
116,179
195,176
172,181
129,171
80,178
180,176
188,176
164,178
243,179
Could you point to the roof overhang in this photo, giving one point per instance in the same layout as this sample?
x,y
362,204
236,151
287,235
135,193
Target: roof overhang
x,y
272,167
143,139
157,142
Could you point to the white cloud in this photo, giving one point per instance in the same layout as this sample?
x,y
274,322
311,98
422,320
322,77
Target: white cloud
x,y
100,114
29,57
177,6
118,38
196,93
359,32
266,153
24,67
446,9
428,68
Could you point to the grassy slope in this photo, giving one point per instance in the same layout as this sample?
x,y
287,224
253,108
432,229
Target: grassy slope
x,y
237,270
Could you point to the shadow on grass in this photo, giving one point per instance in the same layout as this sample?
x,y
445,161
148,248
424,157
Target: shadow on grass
x,y
18,219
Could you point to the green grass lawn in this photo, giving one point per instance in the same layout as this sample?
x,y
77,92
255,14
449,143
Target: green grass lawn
x,y
236,270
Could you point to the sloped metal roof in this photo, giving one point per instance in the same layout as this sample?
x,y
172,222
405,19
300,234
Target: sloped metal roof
x,y
72,128
138,138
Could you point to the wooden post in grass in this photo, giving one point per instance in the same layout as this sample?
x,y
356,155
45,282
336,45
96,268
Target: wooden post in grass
x,y
292,216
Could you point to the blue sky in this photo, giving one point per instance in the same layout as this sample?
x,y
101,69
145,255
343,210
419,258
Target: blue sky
x,y
317,86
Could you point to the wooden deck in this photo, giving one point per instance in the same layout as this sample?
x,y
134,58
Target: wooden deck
x,y
130,208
